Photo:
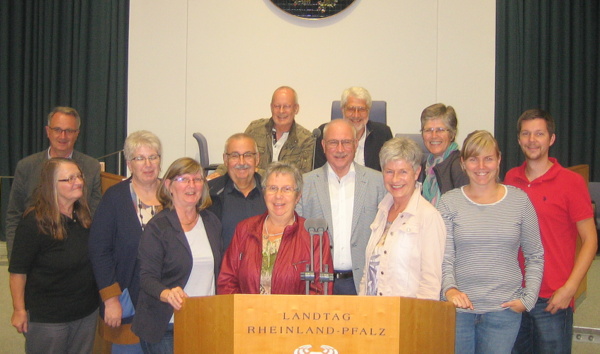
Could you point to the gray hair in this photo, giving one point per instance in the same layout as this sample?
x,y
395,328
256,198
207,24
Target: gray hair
x,y
277,168
240,136
65,110
401,149
360,93
443,112
138,139
339,121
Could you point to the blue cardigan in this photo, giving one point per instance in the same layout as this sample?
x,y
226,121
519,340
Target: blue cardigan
x,y
114,238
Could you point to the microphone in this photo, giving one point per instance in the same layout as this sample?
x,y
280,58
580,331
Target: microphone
x,y
316,133
318,227
315,225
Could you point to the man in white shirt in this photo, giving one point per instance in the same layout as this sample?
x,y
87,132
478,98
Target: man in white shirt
x,y
346,195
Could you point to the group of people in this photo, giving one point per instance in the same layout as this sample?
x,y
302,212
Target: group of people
x,y
438,227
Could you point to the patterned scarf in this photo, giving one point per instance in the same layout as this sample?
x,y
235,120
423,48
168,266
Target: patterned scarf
x,y
431,190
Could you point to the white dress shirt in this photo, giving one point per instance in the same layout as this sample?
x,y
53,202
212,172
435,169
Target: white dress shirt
x,y
341,198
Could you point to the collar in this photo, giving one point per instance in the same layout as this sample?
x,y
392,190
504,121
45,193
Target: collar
x,y
331,173
68,157
548,176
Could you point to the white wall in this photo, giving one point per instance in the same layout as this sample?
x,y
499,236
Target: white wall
x,y
211,66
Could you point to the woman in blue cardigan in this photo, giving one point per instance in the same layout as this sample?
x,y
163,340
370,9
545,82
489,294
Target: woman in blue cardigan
x,y
123,213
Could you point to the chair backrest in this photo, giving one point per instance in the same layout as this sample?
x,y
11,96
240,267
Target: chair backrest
x,y
378,111
203,149
419,140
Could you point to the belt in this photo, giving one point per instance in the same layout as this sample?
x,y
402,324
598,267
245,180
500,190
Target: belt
x,y
343,274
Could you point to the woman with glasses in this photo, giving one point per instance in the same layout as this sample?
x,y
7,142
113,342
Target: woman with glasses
x,y
55,299
441,172
269,251
487,225
179,254
123,213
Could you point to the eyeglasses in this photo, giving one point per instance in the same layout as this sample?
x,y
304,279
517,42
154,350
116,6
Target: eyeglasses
x,y
285,190
332,144
352,109
285,107
187,180
438,130
59,131
234,156
142,159
71,179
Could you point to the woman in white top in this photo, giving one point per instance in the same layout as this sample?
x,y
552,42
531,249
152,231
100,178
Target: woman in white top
x,y
179,254
406,248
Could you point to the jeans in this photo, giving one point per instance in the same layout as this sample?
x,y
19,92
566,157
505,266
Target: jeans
x,y
126,348
165,346
491,332
543,332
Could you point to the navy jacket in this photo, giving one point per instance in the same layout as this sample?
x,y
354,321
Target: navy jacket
x,y
166,262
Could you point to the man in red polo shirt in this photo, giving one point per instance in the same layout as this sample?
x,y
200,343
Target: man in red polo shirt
x,y
562,202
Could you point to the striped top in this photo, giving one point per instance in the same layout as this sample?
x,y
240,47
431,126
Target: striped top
x,y
482,244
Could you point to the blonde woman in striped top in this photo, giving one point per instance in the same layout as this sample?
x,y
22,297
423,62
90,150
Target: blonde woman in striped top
x,y
487,222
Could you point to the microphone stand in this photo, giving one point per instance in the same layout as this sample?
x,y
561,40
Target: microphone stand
x,y
318,227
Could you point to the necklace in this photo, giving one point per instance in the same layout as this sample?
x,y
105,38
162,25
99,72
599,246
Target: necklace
x,y
268,235
191,222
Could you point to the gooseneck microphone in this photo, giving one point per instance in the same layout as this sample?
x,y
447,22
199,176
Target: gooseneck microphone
x,y
317,227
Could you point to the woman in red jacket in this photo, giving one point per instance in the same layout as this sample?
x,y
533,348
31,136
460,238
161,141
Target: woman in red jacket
x,y
269,251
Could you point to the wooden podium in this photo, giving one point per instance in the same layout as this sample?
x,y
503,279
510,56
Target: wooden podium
x,y
313,324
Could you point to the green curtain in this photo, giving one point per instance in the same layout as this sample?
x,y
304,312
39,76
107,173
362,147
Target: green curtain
x,y
62,53
547,56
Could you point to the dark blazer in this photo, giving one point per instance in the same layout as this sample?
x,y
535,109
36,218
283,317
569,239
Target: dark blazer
x,y
27,177
378,134
166,262
114,238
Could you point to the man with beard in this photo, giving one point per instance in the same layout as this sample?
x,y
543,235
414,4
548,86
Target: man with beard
x,y
237,194
562,202
355,105
346,195
280,138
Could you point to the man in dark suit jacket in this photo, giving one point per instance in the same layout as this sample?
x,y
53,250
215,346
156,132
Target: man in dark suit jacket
x,y
62,131
356,105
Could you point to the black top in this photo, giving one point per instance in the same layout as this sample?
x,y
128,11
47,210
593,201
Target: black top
x,y
231,206
377,135
60,284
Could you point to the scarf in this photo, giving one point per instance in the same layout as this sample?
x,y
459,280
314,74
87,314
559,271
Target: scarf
x,y
431,189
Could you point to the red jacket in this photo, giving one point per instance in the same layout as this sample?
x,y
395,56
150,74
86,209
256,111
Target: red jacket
x,y
240,270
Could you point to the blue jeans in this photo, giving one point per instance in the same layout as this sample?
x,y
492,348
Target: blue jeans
x,y
491,332
165,346
543,332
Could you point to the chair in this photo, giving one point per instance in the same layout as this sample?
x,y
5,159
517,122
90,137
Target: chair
x,y
595,194
203,149
378,111
419,140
